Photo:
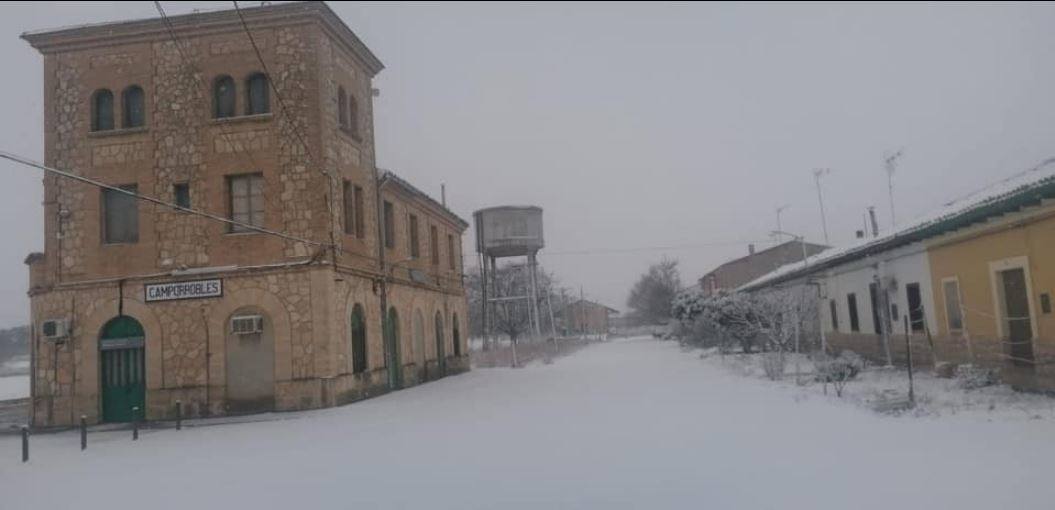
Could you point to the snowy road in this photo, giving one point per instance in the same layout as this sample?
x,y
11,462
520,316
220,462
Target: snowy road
x,y
627,424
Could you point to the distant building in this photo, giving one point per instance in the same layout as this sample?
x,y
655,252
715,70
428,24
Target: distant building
x,y
587,317
745,269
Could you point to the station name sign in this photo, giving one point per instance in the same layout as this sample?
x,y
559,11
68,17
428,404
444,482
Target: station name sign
x,y
195,289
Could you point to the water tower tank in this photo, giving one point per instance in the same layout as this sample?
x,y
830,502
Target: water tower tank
x,y
508,231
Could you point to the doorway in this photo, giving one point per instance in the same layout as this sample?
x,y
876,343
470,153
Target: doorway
x,y
1017,323
123,370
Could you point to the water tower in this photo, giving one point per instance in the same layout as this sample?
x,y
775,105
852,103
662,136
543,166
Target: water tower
x,y
508,231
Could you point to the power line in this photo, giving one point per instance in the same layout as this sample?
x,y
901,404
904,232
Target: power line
x,y
29,162
604,251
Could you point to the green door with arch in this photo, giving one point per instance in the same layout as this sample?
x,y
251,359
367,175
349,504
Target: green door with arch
x,y
123,369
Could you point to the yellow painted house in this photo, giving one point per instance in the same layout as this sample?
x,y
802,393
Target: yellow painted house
x,y
993,282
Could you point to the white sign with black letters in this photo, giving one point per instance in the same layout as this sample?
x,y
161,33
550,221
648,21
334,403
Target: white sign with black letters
x,y
195,289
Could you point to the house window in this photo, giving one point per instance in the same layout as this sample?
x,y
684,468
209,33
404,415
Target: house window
x,y
390,225
246,201
102,110
342,108
915,307
434,245
834,312
350,207
256,100
223,97
415,252
953,311
851,306
120,216
134,114
874,296
360,229
450,252
1045,303
181,194
353,116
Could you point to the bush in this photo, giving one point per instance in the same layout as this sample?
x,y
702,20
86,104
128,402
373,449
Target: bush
x,y
774,364
970,377
839,370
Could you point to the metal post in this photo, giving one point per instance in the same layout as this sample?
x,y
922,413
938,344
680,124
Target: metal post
x,y
908,355
552,323
84,432
179,415
484,319
135,423
25,444
533,268
820,199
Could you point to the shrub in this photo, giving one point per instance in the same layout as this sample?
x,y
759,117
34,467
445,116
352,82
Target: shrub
x,y
970,377
839,370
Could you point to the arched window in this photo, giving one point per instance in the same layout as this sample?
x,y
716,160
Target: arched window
x,y
256,101
342,108
358,340
102,110
456,336
419,338
223,97
134,114
353,116
441,353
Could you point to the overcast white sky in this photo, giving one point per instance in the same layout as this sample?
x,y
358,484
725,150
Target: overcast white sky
x,y
651,125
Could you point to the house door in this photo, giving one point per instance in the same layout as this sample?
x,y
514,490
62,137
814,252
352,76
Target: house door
x,y
123,369
441,351
392,357
1018,326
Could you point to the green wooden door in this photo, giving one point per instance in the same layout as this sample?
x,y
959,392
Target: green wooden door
x,y
392,357
123,369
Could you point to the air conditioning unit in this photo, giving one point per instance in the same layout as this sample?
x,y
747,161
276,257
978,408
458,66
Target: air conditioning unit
x,y
55,329
247,324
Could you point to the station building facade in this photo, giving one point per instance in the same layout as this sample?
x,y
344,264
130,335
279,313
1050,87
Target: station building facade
x,y
294,274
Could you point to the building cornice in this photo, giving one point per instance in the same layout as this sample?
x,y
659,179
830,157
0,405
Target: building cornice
x,y
204,23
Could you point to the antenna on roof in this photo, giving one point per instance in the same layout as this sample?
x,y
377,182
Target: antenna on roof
x,y
890,161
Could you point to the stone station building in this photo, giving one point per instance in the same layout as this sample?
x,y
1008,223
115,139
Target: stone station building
x,y
137,306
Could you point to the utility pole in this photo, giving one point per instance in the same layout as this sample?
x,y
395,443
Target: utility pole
x,y
780,237
817,173
891,164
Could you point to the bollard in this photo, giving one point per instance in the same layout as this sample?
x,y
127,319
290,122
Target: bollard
x,y
135,423
84,432
179,415
25,444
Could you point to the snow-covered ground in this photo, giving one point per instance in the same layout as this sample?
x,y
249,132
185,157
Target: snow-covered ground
x,y
626,424
14,386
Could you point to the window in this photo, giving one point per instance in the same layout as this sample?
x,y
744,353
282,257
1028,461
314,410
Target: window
x,y
181,194
102,110
223,97
350,207
834,311
358,340
360,230
342,108
415,252
953,311
434,245
915,307
353,116
874,296
246,200
256,100
450,252
894,313
390,225
851,305
134,114
1045,303
120,216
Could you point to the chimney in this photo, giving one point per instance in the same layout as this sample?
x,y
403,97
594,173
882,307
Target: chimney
x,y
875,224
751,249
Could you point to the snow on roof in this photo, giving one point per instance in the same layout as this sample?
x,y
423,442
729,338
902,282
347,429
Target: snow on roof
x,y
1016,185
